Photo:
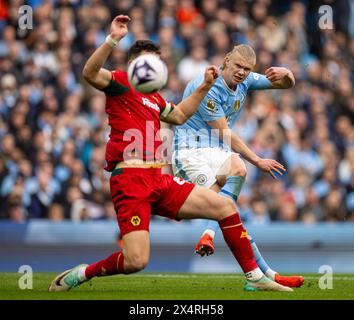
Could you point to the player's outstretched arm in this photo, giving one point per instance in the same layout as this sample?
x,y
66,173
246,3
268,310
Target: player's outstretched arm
x,y
93,71
187,107
238,145
281,78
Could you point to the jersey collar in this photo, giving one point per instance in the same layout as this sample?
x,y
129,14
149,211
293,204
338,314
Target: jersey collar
x,y
227,87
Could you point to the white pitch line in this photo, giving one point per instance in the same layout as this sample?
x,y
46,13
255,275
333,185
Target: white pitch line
x,y
226,276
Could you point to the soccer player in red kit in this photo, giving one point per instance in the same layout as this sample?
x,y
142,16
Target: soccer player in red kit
x,y
138,187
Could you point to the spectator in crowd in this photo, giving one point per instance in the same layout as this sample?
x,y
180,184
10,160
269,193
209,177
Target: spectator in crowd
x,y
193,64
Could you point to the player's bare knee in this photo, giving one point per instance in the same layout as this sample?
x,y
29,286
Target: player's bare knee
x,y
238,167
228,211
223,207
134,267
229,207
239,171
135,263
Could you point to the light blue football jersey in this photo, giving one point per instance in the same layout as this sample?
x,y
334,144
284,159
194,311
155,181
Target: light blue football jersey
x,y
220,102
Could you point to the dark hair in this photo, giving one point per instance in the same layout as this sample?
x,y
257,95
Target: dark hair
x,y
143,45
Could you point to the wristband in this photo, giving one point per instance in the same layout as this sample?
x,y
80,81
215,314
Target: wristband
x,y
110,41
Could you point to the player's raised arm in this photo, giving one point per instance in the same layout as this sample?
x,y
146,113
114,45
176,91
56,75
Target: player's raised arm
x,y
187,107
274,78
93,71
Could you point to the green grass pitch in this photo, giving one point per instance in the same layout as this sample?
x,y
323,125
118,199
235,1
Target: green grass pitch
x,y
171,286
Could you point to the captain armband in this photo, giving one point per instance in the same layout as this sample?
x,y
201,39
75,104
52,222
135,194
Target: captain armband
x,y
165,111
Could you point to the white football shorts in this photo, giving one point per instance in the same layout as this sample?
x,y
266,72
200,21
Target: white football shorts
x,y
199,166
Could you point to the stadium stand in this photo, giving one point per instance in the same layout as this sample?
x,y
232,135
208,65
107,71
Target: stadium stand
x,y
53,127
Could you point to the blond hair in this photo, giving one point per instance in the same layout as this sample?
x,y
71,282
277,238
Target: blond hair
x,y
244,50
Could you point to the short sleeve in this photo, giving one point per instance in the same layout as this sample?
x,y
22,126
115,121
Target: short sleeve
x,y
257,81
211,107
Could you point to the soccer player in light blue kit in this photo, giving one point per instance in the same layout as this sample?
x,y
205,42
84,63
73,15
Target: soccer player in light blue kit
x,y
206,150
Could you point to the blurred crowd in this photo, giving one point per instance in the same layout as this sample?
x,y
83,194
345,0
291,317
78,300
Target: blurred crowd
x,y
53,127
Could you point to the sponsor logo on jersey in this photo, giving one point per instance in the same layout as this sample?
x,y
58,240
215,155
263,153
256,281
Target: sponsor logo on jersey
x,y
210,105
201,179
135,221
255,76
150,104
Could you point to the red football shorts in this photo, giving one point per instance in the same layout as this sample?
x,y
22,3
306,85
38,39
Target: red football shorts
x,y
138,192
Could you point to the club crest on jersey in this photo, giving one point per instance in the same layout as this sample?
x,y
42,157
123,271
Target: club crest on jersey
x,y
210,105
237,105
201,179
244,234
135,221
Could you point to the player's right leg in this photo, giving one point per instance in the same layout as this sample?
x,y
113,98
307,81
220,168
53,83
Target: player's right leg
x,y
200,166
222,171
205,245
203,203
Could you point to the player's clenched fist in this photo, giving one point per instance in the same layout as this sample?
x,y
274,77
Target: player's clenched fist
x,y
210,75
119,27
276,73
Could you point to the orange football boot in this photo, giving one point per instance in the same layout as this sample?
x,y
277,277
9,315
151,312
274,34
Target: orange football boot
x,y
205,245
289,281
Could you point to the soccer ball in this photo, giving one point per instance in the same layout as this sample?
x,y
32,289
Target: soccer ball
x,y
147,73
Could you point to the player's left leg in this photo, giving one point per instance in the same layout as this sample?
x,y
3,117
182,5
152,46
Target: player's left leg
x,y
133,258
206,204
133,214
231,176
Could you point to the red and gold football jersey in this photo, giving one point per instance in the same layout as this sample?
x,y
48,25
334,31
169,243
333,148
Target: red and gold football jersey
x,y
134,118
